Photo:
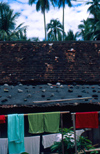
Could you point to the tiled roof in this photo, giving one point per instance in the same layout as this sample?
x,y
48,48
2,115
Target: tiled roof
x,y
49,62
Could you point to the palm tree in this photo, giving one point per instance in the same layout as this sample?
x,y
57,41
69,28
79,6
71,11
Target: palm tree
x,y
42,5
94,7
70,36
95,26
54,30
86,30
8,29
34,39
62,3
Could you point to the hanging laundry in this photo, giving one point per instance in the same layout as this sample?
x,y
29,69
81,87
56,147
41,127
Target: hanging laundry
x,y
87,120
3,145
2,119
44,122
51,122
16,133
32,144
48,140
36,124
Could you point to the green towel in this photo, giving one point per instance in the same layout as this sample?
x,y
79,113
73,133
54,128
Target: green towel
x,y
36,124
51,122
16,133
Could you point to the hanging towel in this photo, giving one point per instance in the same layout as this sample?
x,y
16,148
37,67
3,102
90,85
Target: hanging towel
x,y
2,119
32,144
16,133
36,124
3,146
87,120
51,122
48,140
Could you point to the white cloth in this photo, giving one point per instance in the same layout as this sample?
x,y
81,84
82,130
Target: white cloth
x,y
78,133
32,144
58,137
3,145
48,140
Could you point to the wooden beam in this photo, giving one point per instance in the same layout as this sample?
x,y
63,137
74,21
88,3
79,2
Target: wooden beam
x,y
62,133
74,127
91,150
61,100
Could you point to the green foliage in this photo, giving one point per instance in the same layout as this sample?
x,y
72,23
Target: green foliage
x,y
43,6
8,29
62,3
94,7
54,30
94,152
83,143
67,141
70,36
90,29
34,39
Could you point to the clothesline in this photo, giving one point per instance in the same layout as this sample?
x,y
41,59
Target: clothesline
x,y
74,113
62,112
48,122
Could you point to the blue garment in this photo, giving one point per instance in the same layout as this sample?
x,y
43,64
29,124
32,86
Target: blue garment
x,y
16,133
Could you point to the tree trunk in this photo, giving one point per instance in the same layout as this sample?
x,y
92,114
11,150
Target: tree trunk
x,y
55,34
45,25
63,21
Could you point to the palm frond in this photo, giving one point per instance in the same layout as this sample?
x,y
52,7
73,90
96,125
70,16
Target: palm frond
x,y
31,2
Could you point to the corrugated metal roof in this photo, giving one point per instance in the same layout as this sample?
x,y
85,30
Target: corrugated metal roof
x,y
29,95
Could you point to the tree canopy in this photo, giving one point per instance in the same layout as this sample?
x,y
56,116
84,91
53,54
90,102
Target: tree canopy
x,y
8,29
54,30
43,5
88,29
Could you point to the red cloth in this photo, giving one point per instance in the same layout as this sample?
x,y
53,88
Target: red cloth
x,y
87,120
2,119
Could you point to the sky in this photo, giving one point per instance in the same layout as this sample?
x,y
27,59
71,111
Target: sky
x,y
34,20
